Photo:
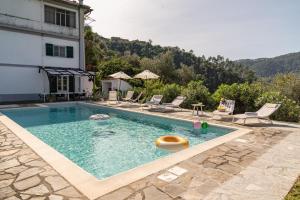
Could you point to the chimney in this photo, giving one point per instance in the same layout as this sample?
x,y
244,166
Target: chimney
x,y
80,2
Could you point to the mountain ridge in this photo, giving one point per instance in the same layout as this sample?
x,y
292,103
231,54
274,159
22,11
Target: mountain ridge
x,y
265,67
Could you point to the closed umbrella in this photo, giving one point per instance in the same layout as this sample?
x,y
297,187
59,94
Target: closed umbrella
x,y
146,74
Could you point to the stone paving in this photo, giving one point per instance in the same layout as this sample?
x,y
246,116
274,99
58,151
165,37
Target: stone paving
x,y
260,165
24,175
207,171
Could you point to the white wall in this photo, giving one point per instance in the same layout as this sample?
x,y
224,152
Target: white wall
x,y
26,49
19,48
30,14
124,86
58,61
20,80
86,85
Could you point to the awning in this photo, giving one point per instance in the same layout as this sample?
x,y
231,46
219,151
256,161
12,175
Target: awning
x,y
57,71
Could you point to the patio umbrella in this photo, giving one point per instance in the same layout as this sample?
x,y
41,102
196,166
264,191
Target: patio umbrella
x,y
120,75
146,74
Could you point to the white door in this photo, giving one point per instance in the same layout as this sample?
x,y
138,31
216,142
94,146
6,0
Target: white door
x,y
62,84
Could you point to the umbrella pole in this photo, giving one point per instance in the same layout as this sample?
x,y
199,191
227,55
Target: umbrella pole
x,y
119,89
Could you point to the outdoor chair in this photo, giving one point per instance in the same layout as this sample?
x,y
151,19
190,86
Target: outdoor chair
x,y
228,108
129,96
263,113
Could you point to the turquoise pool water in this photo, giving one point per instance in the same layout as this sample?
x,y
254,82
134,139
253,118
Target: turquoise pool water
x,y
105,148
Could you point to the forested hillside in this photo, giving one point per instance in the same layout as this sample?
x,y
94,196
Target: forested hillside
x,y
199,79
171,63
271,66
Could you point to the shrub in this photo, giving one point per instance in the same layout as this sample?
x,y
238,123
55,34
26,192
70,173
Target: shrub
x,y
170,92
196,92
288,111
244,95
151,87
288,85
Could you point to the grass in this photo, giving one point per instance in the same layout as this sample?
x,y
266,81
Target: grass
x,y
294,193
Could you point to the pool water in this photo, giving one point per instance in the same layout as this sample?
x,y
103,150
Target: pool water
x,y
105,148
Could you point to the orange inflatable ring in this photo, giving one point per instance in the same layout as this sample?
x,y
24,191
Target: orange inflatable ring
x,y
172,142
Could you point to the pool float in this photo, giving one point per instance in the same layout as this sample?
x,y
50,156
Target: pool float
x,y
197,124
172,143
99,117
204,125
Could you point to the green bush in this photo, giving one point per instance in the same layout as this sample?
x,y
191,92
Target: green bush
x,y
151,87
170,92
243,94
196,92
288,111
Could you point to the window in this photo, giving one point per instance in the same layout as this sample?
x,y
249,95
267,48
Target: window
x,y
59,51
49,49
70,52
60,17
49,15
59,83
62,83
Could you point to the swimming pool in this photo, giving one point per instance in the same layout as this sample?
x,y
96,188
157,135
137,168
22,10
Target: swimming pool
x,y
108,147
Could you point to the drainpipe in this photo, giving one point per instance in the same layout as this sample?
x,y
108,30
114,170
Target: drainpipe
x,y
81,36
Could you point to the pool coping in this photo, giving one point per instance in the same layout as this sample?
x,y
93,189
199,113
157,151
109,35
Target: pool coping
x,y
94,188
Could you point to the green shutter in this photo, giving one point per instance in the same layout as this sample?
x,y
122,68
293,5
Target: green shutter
x,y
49,49
70,52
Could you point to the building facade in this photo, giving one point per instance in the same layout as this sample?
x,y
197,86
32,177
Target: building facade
x,y
42,49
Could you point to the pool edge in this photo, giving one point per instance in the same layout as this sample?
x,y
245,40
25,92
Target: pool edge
x,y
92,187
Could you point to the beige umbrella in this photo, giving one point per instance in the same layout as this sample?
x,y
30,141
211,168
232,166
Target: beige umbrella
x,y
120,75
146,74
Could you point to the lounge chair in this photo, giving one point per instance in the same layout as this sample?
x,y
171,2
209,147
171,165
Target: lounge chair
x,y
229,108
154,101
112,96
263,113
175,103
168,107
137,98
129,96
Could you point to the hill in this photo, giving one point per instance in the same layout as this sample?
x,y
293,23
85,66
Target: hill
x,y
173,64
271,66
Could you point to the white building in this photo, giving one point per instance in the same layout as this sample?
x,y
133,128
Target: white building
x,y
42,49
115,84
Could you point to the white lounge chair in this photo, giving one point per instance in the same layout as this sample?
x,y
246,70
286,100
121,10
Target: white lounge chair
x,y
168,107
175,103
129,96
137,98
263,113
229,108
155,100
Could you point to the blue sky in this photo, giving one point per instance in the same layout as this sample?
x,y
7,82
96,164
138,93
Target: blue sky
x,y
233,28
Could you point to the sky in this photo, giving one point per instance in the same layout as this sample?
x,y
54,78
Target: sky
x,y
235,29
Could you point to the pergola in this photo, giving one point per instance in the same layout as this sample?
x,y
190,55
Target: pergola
x,y
58,71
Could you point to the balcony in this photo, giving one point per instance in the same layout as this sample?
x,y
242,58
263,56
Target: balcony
x,y
24,24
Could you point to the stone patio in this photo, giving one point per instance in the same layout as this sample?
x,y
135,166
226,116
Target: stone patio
x,y
223,172
24,175
260,165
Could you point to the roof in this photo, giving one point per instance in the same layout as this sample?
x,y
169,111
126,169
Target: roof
x,y
54,71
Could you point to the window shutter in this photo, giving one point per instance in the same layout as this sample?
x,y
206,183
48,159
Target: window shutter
x,y
53,84
49,49
70,52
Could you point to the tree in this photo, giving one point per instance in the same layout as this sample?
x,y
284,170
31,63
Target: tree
x,y
95,50
288,85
